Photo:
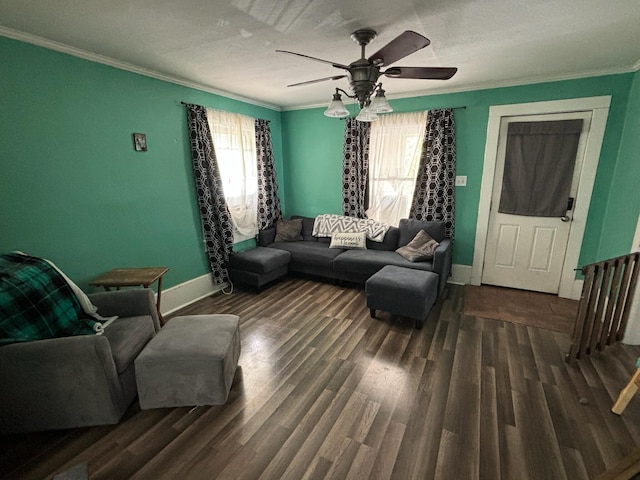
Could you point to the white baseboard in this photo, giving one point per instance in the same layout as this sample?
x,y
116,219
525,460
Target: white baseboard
x,y
179,296
184,294
191,291
460,274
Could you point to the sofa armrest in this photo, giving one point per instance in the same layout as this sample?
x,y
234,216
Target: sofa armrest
x,y
266,236
127,303
442,262
58,383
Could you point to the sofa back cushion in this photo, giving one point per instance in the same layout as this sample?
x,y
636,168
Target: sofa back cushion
x,y
289,230
409,228
390,242
266,236
307,228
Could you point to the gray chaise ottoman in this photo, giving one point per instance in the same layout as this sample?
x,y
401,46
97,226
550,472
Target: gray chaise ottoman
x,y
191,361
258,266
402,291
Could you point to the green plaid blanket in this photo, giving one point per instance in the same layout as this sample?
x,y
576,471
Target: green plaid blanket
x,y
36,302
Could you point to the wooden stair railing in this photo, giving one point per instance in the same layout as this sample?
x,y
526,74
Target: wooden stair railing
x,y
605,303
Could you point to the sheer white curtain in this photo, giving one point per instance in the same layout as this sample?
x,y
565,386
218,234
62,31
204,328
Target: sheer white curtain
x,y
234,141
394,156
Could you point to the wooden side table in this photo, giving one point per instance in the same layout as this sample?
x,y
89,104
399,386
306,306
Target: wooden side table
x,y
133,277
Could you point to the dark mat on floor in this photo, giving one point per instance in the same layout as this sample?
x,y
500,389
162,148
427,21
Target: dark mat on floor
x,y
534,309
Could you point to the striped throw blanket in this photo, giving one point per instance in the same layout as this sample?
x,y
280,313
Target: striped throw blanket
x,y
327,224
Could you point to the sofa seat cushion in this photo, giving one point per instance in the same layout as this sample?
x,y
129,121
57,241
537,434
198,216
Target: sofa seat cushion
x,y
259,260
402,291
127,337
309,253
192,361
365,263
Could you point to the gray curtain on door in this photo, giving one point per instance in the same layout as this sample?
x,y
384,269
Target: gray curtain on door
x,y
538,167
214,213
434,194
355,168
269,210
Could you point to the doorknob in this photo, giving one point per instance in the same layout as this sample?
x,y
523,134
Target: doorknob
x,y
565,218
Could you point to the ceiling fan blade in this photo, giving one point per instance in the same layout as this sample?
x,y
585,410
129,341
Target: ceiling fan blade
x,y
426,73
337,65
404,44
337,77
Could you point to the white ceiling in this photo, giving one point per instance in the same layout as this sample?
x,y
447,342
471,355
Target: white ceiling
x,y
229,47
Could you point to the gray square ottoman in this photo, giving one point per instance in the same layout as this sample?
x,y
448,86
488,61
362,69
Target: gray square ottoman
x,y
191,361
402,291
258,266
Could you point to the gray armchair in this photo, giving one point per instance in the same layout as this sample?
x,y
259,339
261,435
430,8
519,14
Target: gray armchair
x,y
80,380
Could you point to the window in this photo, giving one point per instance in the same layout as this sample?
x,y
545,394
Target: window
x,y
395,145
234,140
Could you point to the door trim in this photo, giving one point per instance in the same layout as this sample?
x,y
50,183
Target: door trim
x,y
599,107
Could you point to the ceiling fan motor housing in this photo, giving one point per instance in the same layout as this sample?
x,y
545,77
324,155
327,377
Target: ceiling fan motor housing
x,y
362,79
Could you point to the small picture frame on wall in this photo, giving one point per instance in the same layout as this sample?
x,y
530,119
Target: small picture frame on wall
x,y
140,142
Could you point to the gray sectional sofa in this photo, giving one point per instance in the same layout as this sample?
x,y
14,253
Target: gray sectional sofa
x,y
313,256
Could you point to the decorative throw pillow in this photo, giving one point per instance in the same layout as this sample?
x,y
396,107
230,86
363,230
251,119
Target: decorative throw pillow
x,y
289,230
349,241
419,249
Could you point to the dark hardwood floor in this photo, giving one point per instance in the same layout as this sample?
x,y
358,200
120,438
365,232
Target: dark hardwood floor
x,y
325,391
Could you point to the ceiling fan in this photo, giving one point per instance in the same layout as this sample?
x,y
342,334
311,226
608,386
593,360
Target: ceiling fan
x,y
363,74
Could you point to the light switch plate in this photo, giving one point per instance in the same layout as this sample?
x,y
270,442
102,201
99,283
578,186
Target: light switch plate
x,y
461,180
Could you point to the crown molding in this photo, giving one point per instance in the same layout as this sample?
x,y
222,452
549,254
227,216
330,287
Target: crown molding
x,y
112,62
94,57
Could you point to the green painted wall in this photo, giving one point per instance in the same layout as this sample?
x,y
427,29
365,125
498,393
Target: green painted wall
x,y
313,154
313,163
73,189
623,205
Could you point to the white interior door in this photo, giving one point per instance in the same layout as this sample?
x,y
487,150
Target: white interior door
x,y
529,252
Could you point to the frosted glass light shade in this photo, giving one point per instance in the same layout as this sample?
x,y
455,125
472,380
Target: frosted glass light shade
x,y
367,115
336,108
379,104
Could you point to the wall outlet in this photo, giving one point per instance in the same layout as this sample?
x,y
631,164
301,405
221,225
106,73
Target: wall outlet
x,y
461,180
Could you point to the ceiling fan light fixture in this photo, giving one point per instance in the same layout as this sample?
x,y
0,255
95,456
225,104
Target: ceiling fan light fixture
x,y
367,115
336,108
379,104
363,74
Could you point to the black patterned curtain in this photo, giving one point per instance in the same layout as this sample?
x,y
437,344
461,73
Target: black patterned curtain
x,y
214,214
434,195
269,210
355,168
